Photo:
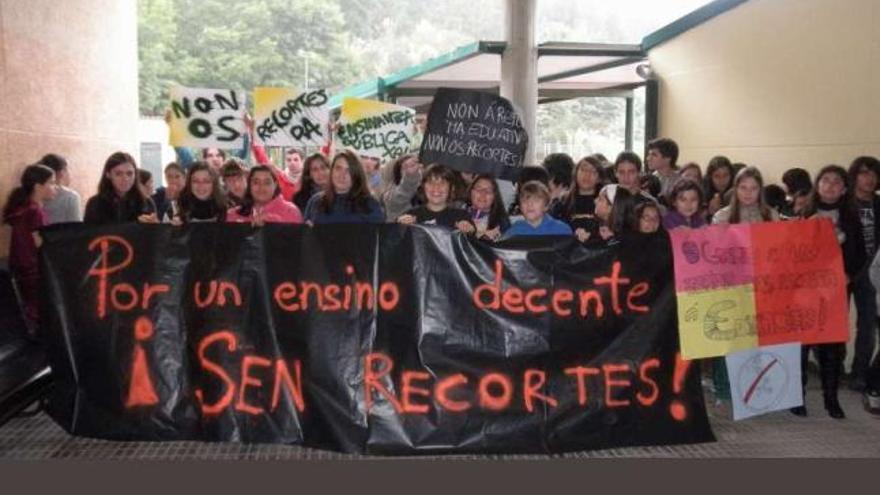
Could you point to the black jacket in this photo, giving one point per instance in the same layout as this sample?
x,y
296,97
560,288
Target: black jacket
x,y
101,210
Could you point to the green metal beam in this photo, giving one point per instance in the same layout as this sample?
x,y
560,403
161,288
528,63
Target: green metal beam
x,y
385,85
688,22
366,89
590,69
445,60
555,48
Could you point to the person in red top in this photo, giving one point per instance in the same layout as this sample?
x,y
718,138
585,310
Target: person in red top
x,y
24,213
293,158
263,201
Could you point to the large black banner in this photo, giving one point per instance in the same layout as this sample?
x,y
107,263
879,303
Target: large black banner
x,y
386,340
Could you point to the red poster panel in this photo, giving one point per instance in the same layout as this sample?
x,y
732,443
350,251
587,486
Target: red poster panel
x,y
800,285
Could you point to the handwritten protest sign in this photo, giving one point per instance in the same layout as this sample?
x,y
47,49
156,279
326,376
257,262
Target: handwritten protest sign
x,y
380,343
376,129
745,285
765,379
800,285
475,132
288,117
716,322
207,118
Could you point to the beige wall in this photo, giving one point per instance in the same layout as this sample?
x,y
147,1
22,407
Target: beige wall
x,y
776,84
68,84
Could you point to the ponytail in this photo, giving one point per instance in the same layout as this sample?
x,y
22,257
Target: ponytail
x,y
32,175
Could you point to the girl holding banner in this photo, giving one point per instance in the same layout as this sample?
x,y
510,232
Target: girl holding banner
x,y
614,206
746,206
438,188
202,198
828,200
578,207
348,199
486,208
119,199
263,202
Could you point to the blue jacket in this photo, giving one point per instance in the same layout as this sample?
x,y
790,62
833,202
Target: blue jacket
x,y
186,157
548,226
341,212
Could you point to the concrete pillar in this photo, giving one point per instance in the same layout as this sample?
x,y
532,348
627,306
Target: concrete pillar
x,y
628,125
68,85
519,65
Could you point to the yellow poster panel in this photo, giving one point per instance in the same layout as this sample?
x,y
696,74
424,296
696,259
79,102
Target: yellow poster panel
x,y
290,117
717,322
375,128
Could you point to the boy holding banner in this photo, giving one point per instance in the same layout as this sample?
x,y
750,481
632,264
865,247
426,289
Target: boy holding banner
x,y
534,200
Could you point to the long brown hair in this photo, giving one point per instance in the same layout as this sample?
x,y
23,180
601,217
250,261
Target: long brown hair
x,y
105,186
497,214
247,204
735,210
813,205
187,199
574,190
358,195
32,175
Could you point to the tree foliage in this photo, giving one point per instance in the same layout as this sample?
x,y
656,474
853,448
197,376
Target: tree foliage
x,y
243,44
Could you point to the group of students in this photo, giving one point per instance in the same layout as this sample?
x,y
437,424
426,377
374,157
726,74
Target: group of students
x,y
598,202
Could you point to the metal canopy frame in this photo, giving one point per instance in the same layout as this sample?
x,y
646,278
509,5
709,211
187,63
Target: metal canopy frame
x,y
583,65
577,81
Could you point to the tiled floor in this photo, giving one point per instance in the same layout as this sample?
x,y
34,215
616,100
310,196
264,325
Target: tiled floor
x,y
774,435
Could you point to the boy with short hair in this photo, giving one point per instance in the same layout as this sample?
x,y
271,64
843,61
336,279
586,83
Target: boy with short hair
x,y
65,206
661,157
534,200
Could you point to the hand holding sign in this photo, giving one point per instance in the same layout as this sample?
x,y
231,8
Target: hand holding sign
x,y
744,285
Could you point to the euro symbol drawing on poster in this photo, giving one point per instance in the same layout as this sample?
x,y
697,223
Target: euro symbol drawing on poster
x,y
207,118
289,117
376,129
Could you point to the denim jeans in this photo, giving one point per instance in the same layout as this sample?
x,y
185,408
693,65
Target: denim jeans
x,y
866,324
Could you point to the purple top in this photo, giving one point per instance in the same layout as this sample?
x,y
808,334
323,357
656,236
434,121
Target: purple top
x,y
673,219
23,250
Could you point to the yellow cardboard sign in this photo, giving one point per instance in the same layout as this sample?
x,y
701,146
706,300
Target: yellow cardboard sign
x,y
717,322
375,128
207,118
290,117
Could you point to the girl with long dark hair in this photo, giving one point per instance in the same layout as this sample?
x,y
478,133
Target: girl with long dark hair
x,y
348,199
486,208
747,203
24,213
202,198
614,206
263,201
717,181
578,206
315,178
119,197
829,200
